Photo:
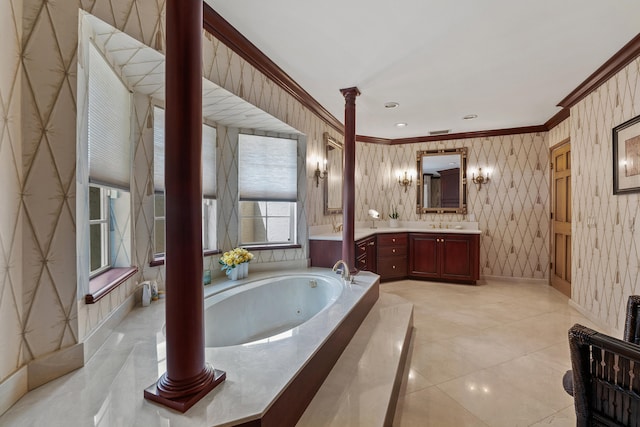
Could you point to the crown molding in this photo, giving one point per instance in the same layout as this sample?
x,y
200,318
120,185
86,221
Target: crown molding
x,y
449,136
621,59
558,118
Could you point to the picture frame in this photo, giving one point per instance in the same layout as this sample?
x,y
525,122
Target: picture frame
x,y
626,157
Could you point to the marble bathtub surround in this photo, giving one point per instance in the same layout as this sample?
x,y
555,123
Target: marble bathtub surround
x,y
490,355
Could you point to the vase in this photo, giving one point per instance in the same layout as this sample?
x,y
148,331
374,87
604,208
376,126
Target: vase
x,y
232,273
393,223
245,269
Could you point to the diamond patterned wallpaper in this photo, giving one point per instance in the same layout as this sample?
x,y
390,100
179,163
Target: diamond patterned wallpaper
x,y
51,318
606,243
560,133
512,210
11,176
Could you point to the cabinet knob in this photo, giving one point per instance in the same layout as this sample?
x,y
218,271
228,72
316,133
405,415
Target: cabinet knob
x,y
393,250
393,240
394,267
371,243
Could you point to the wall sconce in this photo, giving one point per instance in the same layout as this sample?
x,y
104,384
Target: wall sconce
x,y
406,181
480,179
320,174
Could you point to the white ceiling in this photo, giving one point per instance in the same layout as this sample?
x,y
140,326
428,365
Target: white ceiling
x,y
508,61
142,70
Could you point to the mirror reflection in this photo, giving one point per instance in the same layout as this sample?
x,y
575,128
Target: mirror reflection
x,y
442,184
333,181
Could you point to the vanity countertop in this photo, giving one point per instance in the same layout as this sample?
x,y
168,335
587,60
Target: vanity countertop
x,y
362,232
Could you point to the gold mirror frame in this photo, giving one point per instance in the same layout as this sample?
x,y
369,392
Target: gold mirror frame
x,y
422,156
334,179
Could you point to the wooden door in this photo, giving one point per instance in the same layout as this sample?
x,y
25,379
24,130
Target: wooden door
x,y
561,218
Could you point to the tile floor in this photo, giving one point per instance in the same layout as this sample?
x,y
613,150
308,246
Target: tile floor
x,y
489,355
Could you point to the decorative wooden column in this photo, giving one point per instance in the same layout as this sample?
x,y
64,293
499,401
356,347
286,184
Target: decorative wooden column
x,y
349,183
188,377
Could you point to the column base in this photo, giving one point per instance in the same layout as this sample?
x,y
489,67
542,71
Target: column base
x,y
182,402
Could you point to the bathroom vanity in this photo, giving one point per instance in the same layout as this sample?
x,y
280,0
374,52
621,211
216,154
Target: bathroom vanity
x,y
437,254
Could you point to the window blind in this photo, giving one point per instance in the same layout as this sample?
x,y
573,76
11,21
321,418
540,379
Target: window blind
x,y
267,169
109,124
208,156
208,162
158,150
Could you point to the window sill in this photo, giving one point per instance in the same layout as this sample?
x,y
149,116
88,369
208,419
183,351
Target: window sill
x,y
160,259
270,247
104,283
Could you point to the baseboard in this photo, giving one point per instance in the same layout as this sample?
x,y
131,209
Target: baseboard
x,y
529,280
99,335
54,365
13,388
601,326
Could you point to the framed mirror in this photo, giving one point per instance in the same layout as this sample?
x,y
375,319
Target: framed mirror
x,y
333,180
442,181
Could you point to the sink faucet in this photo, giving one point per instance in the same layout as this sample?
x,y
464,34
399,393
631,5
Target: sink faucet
x,y
344,273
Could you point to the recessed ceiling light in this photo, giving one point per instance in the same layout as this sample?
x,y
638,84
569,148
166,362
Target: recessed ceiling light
x,y
391,104
401,125
470,116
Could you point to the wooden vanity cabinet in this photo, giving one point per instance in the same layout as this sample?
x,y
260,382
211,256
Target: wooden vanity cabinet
x,y
450,257
366,254
325,253
392,256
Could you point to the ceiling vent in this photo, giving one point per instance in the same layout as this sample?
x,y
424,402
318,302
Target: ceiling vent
x,y
439,132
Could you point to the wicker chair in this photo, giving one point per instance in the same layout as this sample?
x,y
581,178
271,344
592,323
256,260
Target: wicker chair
x,y
632,322
631,334
606,379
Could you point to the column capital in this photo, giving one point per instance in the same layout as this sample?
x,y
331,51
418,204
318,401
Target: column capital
x,y
350,93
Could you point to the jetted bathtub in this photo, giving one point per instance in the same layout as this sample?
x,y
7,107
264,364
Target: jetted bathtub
x,y
267,308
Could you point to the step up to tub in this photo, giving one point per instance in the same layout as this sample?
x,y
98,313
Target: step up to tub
x,y
362,388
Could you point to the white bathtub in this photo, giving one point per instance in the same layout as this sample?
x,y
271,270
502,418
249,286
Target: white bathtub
x,y
265,308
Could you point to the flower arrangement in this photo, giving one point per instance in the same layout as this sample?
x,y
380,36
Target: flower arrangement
x,y
233,258
394,212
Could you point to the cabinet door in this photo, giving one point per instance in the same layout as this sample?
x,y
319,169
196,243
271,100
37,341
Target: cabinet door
x,y
424,258
371,255
366,254
457,256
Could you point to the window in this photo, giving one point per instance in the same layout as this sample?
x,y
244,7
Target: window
x,y
109,152
158,223
268,186
98,230
209,217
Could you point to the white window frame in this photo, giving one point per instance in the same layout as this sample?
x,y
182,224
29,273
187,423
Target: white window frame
x,y
208,202
266,217
272,174
157,218
105,237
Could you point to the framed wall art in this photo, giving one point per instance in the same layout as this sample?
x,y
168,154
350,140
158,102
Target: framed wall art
x,y
626,157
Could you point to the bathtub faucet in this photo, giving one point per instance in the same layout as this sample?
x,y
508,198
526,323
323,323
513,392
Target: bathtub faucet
x,y
344,273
